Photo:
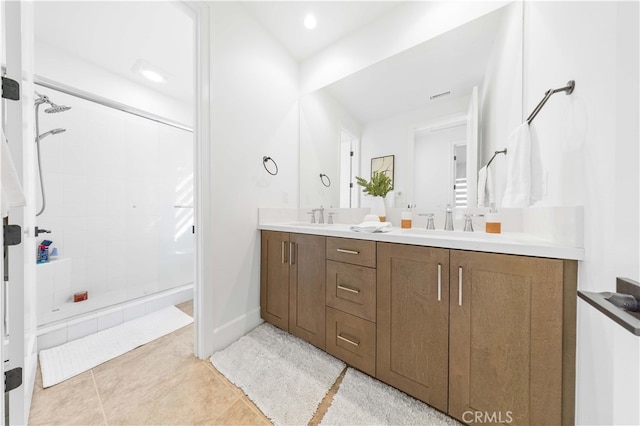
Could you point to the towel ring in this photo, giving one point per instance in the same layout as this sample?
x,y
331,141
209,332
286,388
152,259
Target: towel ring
x,y
265,159
326,182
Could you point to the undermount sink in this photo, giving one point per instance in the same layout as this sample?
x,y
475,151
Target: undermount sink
x,y
475,236
313,225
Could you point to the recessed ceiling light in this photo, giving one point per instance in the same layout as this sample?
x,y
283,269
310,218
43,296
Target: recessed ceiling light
x,y
150,71
310,21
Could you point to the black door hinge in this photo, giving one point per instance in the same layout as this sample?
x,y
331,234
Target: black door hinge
x,y
350,184
12,379
10,89
351,153
12,235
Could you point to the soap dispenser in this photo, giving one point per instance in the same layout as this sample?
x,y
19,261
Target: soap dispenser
x,y
492,222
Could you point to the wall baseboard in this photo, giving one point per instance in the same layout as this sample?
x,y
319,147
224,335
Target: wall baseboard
x,y
228,333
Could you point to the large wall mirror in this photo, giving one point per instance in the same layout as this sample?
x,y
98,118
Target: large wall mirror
x,y
437,108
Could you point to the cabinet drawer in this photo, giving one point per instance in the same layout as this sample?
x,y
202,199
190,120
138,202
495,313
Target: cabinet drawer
x,y
352,339
357,252
352,289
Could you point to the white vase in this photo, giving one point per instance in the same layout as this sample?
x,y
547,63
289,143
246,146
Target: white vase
x,y
378,208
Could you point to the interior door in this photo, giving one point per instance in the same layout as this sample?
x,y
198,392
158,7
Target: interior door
x,y
19,337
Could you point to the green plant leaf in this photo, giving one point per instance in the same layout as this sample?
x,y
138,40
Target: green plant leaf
x,y
379,185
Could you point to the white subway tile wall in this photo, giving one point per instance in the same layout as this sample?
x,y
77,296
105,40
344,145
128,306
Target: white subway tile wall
x,y
113,181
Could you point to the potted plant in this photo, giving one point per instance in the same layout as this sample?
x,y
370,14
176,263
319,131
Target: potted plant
x,y
378,188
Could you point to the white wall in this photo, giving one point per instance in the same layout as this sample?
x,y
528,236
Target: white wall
x,y
589,147
254,112
322,119
501,96
433,167
63,67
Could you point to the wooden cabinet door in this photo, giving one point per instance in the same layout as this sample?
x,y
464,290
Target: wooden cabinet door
x,y
274,278
505,353
413,321
307,288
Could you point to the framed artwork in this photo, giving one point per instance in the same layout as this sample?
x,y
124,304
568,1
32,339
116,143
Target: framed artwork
x,y
383,165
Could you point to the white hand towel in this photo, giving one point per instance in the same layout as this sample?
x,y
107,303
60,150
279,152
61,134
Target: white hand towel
x,y
524,170
12,194
372,227
482,184
485,187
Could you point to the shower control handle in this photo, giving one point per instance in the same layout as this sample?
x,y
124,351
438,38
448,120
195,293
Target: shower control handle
x,y
41,231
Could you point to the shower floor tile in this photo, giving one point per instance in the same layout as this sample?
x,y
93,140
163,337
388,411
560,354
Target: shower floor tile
x,y
161,382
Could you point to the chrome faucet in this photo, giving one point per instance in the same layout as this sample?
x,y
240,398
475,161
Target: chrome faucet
x,y
448,220
430,224
321,215
468,224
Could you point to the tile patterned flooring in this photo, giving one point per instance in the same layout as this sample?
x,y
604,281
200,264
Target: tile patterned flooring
x,y
161,382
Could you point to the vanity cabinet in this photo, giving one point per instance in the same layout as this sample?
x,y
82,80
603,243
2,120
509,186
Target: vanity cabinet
x,y
351,302
292,284
413,321
469,333
512,337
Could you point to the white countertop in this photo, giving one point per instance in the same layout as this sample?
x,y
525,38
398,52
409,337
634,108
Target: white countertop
x,y
507,243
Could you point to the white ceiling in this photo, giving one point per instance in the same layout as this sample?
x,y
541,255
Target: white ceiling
x,y
115,34
454,61
284,21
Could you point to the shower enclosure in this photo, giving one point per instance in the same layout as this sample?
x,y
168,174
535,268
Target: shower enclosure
x,y
118,185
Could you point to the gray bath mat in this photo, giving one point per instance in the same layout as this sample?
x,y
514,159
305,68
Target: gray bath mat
x,y
363,400
284,376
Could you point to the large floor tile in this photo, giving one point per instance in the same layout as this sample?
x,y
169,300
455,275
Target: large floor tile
x,y
73,402
190,394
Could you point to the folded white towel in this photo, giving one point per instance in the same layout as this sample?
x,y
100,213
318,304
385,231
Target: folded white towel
x,y
372,227
485,187
12,194
524,170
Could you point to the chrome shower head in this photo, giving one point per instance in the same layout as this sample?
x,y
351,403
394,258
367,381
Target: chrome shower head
x,y
50,132
56,108
44,99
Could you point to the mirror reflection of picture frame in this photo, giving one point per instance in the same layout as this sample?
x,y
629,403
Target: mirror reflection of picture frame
x,y
383,165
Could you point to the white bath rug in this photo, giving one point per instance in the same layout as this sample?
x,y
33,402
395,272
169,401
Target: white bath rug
x,y
284,376
68,360
363,400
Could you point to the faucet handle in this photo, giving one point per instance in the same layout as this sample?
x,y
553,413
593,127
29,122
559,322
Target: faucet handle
x,y
330,219
313,216
468,223
430,224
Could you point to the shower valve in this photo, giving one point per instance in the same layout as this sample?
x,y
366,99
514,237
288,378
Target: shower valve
x,y
41,231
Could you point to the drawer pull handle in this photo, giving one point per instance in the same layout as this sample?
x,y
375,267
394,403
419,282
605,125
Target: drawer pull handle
x,y
282,251
460,286
347,251
349,289
292,249
439,282
348,340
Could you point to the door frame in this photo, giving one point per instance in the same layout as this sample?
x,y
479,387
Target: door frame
x,y
203,210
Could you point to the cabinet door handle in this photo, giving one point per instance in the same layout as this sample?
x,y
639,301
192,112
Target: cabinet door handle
x,y
347,251
348,340
292,257
282,251
439,282
459,285
349,289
